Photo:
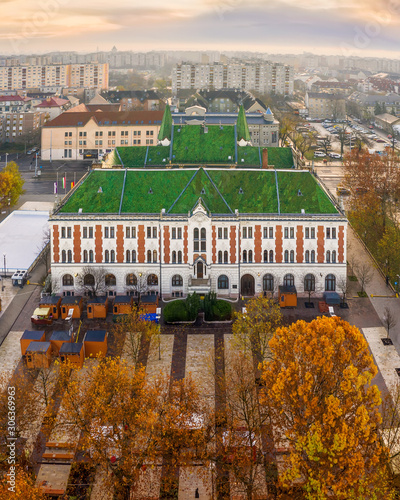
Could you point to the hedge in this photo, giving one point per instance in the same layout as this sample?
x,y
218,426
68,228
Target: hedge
x,y
175,311
220,311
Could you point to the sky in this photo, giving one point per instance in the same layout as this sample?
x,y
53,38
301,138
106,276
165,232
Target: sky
x,y
343,27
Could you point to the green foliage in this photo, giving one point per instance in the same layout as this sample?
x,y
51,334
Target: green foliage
x,y
250,156
221,311
192,304
242,126
11,185
166,125
175,311
362,294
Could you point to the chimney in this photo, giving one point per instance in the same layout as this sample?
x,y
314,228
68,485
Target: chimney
x,y
265,158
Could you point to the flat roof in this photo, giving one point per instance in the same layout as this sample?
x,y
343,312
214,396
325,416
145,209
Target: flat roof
x,y
71,348
123,299
38,346
97,300
71,299
51,299
22,236
32,335
95,336
60,335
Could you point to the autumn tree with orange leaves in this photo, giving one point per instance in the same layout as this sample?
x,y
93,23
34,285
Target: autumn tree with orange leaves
x,y
325,411
23,488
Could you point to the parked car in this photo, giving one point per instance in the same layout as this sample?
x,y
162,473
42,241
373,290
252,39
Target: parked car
x,y
319,154
342,191
336,156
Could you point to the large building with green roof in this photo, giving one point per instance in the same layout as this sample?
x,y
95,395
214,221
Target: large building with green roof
x,y
235,231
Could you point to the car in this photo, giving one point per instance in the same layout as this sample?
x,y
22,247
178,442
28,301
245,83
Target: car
x,y
387,146
361,190
319,154
371,126
336,156
379,140
30,152
342,191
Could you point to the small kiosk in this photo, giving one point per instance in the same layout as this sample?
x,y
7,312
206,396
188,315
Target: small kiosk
x,y
149,303
123,304
54,303
42,316
38,355
58,338
73,352
73,302
29,336
97,307
95,343
287,296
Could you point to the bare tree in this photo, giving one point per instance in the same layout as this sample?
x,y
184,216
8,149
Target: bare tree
x,y
342,136
44,249
92,281
326,144
389,320
343,286
138,283
364,275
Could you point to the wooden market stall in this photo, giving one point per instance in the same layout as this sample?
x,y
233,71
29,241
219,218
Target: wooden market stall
x,y
74,352
54,303
97,307
287,296
95,343
149,303
38,355
28,336
74,302
123,304
57,339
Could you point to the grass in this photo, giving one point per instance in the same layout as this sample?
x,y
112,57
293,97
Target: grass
x,y
362,294
352,278
250,156
157,154
192,145
132,156
280,157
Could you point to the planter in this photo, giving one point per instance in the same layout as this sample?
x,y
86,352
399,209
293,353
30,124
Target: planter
x,y
387,341
344,305
309,305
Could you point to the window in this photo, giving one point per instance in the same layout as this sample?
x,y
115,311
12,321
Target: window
x,y
203,235
220,233
286,232
173,233
149,256
330,283
286,256
133,255
64,256
244,232
292,232
88,280
133,232
313,233
313,256
69,254
220,257
85,256
307,256
112,235
291,256
90,232
177,280
68,280
149,232
196,240
225,233
271,232
63,232
307,233
106,232
152,280
68,232
250,232
268,283
309,283
334,233
265,255
110,280
244,256
288,280
84,232
334,257
328,233
328,256
174,257
223,282
91,256
154,232
106,256
265,232
131,280
250,256
128,232
271,256
128,256
179,257
226,257
179,233
154,255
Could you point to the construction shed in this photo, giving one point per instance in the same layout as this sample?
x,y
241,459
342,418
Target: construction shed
x,y
38,355
28,336
73,352
287,296
97,307
54,303
149,303
95,343
74,302
123,304
57,339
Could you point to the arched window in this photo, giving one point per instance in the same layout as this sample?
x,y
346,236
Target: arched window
x,y
220,257
307,256
271,256
268,283
174,257
203,236
68,280
110,280
91,256
179,257
328,256
244,256
226,257
313,256
223,282
203,233
128,256
69,255
154,255
288,280
265,255
330,283
64,256
133,255
106,256
286,256
309,283
196,246
196,234
88,280
85,256
177,280
149,256
131,280
291,256
250,255
334,257
112,256
152,280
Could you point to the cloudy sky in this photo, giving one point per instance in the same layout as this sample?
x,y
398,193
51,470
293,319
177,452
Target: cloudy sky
x,y
348,27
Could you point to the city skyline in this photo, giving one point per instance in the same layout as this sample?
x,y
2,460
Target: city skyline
x,y
334,27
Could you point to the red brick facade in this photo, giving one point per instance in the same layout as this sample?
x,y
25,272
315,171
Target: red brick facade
x,y
341,245
166,245
120,243
141,245
214,245
56,244
233,245
257,245
77,244
98,242
299,245
185,245
278,244
320,245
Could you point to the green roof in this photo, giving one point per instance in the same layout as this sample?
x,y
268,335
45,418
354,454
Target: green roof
x,y
280,157
166,125
178,191
242,126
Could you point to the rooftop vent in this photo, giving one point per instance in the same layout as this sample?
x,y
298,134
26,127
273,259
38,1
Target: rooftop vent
x,y
241,191
150,191
203,191
79,211
303,211
100,190
299,193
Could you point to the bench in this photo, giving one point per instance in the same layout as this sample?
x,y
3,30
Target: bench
x,y
59,456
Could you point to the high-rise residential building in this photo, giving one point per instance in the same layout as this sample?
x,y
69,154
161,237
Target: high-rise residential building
x,y
89,75
261,77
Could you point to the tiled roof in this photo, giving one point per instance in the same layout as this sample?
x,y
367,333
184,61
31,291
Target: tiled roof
x,y
106,118
53,102
142,95
5,98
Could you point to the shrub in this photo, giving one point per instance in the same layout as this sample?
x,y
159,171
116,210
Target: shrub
x,y
192,304
175,311
220,311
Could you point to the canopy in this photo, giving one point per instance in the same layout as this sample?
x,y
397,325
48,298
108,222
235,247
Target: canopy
x,y
41,311
331,298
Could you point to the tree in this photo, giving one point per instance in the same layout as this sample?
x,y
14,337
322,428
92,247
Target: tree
x,y
303,141
364,275
326,144
378,109
389,320
23,487
342,136
253,329
92,281
138,284
286,128
323,406
387,251
343,286
11,185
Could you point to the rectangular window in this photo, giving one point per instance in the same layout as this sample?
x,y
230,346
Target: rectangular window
x,y
225,233
68,232
112,232
173,233
245,232
128,232
106,232
250,232
149,232
179,233
220,233
271,232
292,232
307,233
286,232
90,232
134,232
334,233
265,232
313,232
154,232
85,232
328,233
63,232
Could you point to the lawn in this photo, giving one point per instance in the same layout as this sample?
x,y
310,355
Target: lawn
x,y
280,157
157,155
250,156
133,156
